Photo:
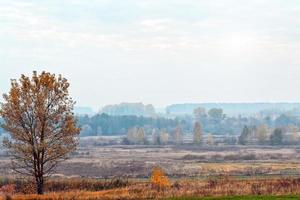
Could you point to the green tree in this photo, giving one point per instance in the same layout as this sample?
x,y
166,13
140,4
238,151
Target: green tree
x,y
216,113
276,137
243,138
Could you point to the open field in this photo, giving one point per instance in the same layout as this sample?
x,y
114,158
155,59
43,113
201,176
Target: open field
x,y
122,172
293,197
188,161
96,196
225,187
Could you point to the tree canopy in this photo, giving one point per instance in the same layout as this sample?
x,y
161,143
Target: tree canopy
x,y
37,113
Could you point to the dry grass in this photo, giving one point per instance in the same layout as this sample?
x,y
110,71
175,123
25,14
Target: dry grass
x,y
221,186
26,186
179,161
248,168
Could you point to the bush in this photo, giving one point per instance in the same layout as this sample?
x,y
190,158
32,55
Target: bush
x,y
159,180
7,191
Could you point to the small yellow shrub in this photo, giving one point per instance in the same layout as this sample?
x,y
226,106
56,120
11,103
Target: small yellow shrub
x,y
158,179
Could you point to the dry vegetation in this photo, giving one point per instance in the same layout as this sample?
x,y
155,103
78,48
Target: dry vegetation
x,y
215,186
189,171
92,161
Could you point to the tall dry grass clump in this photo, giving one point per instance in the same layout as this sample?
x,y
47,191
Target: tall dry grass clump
x,y
159,180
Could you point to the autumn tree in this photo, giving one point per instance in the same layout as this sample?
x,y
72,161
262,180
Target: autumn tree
x,y
132,135
177,135
155,137
163,137
197,133
160,138
136,136
210,139
37,114
262,133
141,136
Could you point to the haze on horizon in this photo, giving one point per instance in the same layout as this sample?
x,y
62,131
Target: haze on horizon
x,y
154,51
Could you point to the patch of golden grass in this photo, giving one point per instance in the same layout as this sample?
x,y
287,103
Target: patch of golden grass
x,y
242,167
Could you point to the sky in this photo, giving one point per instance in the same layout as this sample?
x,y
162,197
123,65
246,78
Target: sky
x,y
156,51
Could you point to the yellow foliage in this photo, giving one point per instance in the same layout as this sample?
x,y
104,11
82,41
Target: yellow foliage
x,y
158,179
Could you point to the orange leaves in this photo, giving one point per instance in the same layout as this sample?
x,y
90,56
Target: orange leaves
x,y
158,179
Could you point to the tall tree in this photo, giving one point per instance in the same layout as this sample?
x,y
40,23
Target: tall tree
x,y
262,133
197,133
37,114
199,113
216,113
178,135
141,136
155,137
210,139
132,135
163,137
243,138
276,137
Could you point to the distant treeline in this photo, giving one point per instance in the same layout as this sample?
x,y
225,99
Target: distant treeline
x,y
127,109
103,124
233,109
213,121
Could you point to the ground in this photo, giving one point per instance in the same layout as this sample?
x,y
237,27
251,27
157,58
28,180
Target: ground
x,y
193,171
291,197
136,161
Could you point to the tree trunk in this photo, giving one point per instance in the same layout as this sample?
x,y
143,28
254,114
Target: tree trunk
x,y
40,185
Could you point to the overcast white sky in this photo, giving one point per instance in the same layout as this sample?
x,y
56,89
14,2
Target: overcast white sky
x,y
156,51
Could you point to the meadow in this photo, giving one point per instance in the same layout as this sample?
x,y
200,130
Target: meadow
x,y
213,187
95,160
97,171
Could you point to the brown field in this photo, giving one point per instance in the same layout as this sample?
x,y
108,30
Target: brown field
x,y
122,172
221,186
95,161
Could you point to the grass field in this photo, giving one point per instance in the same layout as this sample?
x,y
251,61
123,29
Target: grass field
x,y
212,188
137,161
194,173
241,198
99,196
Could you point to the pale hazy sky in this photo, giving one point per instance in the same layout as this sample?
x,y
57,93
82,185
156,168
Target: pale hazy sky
x,y
156,51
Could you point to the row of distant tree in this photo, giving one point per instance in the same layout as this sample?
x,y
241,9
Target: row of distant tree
x,y
264,134
250,135
137,135
103,124
213,121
